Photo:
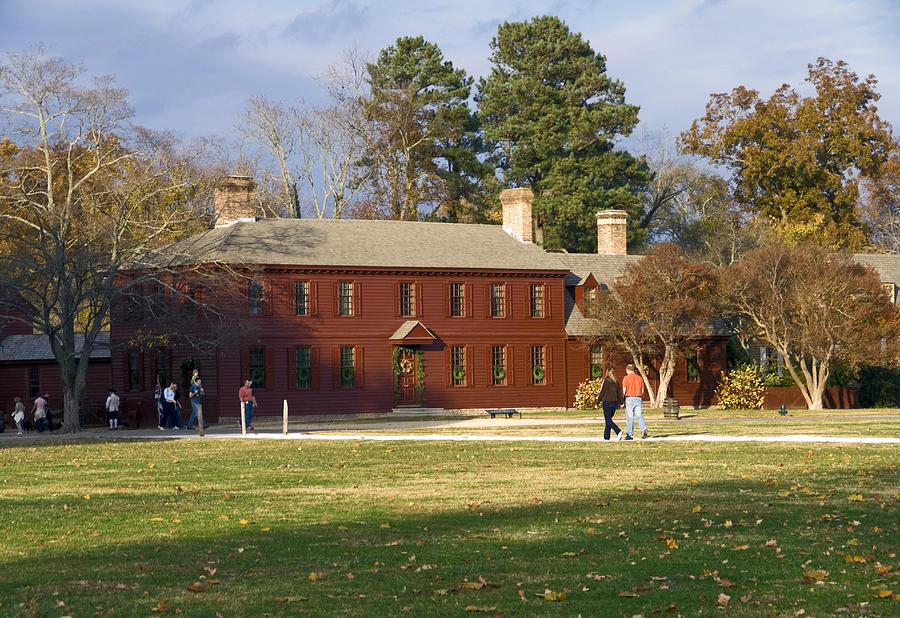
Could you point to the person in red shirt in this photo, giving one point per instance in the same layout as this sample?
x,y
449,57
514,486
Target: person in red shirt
x,y
248,401
633,385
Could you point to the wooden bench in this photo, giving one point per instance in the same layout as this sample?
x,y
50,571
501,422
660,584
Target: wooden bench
x,y
508,412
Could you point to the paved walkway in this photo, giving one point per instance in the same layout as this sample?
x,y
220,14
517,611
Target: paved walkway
x,y
358,431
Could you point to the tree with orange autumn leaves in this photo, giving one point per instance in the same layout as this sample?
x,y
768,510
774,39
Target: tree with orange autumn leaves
x,y
656,309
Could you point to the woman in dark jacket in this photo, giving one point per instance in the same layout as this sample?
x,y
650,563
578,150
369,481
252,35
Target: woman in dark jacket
x,y
611,396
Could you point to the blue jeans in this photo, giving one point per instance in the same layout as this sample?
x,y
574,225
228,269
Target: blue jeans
x,y
634,407
174,416
248,413
194,406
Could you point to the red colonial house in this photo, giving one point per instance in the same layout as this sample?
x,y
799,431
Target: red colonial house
x,y
353,316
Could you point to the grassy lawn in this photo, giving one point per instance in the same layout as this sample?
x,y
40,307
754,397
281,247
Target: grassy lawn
x,y
265,527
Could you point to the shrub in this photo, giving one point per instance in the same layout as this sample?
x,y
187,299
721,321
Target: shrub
x,y
741,388
586,395
879,387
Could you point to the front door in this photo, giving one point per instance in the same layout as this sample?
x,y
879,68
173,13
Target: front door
x,y
407,362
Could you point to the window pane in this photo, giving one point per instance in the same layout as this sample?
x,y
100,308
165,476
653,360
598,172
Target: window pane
x,y
258,367
345,298
596,362
348,367
301,297
458,365
538,370
590,302
134,372
498,364
692,368
537,300
496,300
407,299
35,379
457,299
302,368
161,368
255,297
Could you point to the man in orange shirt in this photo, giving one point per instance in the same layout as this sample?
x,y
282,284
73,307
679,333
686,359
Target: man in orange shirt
x,y
248,401
633,386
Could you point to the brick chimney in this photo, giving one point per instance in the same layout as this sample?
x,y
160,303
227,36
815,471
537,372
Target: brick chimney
x,y
611,232
517,212
233,201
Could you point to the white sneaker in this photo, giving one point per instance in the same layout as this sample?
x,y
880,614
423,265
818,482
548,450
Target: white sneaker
x,y
621,435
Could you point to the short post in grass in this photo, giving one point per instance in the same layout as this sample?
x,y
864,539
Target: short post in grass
x,y
243,421
284,426
200,419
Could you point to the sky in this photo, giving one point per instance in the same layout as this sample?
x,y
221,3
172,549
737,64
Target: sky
x,y
191,65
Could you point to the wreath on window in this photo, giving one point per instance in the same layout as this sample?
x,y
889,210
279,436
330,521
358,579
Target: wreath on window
x,y
459,373
302,374
406,366
499,372
537,372
596,372
347,374
257,376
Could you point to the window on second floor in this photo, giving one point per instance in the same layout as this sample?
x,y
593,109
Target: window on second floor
x,y
536,298
301,298
255,297
457,300
497,300
407,299
345,298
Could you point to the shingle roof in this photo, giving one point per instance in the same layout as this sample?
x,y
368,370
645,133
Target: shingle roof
x,y
356,243
605,268
37,347
887,265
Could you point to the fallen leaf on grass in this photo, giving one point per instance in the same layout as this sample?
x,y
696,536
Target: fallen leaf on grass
x,y
289,599
316,576
156,519
550,595
696,509
629,594
671,543
856,498
723,600
162,606
815,575
740,547
475,608
854,558
196,587
725,582
472,585
885,594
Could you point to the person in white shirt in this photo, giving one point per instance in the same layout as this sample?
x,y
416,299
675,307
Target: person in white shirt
x,y
112,409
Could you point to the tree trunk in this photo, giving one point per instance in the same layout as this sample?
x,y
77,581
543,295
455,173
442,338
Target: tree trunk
x,y
71,411
645,374
666,371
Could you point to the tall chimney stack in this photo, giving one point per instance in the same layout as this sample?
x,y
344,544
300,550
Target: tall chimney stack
x,y
233,200
611,226
517,212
